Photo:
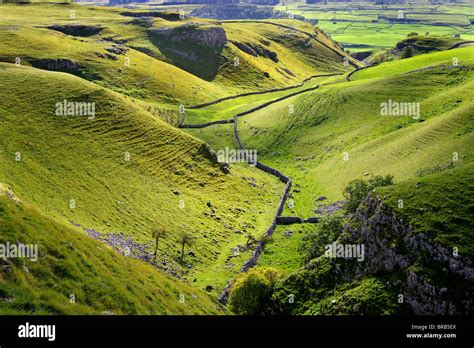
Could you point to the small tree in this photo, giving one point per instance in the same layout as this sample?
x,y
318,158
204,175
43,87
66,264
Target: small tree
x,y
252,289
185,238
250,239
158,234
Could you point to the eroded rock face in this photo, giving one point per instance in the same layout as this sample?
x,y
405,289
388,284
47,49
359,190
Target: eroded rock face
x,y
191,47
190,33
77,29
59,64
376,227
256,50
145,22
433,280
117,49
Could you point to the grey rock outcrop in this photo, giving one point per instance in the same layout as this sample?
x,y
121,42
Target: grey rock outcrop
x,y
60,64
211,36
256,50
393,245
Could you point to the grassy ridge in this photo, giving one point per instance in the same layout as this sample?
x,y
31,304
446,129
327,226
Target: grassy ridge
x,y
464,56
438,205
226,110
146,77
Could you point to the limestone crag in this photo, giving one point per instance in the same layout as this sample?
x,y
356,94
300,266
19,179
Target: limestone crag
x,y
393,245
210,36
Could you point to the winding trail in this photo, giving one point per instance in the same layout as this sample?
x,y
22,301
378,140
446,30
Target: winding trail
x,y
252,261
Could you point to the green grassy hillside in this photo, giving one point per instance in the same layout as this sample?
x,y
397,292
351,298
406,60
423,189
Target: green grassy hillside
x,y
415,45
463,56
345,118
148,78
170,181
92,187
163,71
341,118
75,274
226,109
125,172
439,205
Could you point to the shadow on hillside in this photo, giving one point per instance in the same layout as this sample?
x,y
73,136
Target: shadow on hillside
x,y
199,60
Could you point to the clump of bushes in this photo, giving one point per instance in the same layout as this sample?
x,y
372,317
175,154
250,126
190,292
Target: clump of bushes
x,y
312,244
331,227
356,191
252,290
